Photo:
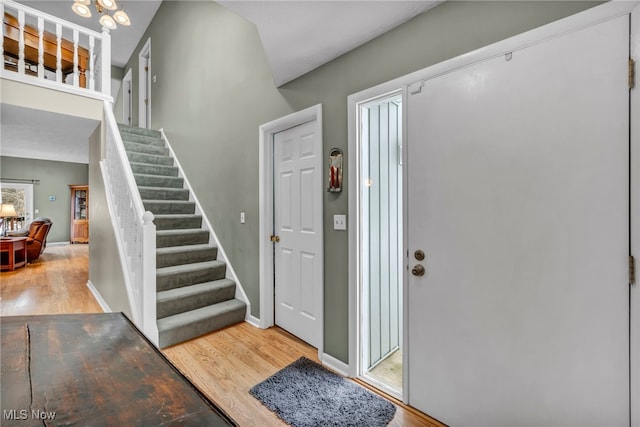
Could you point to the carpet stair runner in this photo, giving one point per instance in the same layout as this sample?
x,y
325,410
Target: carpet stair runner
x,y
193,295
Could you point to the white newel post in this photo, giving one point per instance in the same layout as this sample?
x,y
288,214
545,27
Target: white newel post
x,y
149,274
105,62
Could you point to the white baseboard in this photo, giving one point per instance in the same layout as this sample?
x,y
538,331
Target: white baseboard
x,y
96,294
335,365
58,243
252,320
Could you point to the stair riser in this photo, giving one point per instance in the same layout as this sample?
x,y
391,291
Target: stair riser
x,y
133,147
182,239
178,223
155,169
186,257
171,281
178,194
139,131
191,302
159,208
150,159
159,181
202,327
142,139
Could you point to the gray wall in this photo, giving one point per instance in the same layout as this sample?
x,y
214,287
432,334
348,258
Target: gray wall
x,y
212,100
105,271
55,178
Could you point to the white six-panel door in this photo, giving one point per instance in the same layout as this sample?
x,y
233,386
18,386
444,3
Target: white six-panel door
x,y
518,174
298,225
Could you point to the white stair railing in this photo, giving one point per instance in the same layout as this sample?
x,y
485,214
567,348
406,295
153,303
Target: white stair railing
x,y
135,230
38,48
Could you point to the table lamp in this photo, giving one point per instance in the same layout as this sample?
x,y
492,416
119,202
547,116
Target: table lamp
x,y
6,211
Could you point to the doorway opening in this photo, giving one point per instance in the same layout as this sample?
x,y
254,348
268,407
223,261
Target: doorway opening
x,y
127,98
144,85
381,231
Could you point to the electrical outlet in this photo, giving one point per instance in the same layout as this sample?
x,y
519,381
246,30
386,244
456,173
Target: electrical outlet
x,y
339,222
242,218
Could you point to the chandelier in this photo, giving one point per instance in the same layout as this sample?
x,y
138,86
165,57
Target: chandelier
x,y
103,7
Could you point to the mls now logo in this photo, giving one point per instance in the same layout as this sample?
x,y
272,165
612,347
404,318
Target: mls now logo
x,y
23,414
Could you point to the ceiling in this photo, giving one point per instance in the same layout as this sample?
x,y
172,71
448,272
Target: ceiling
x,y
298,36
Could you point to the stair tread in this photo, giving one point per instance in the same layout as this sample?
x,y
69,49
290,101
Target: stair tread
x,y
183,268
182,319
194,289
183,248
157,176
178,215
153,165
180,231
144,187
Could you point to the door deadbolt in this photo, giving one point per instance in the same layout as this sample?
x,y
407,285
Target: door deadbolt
x,y
419,254
418,270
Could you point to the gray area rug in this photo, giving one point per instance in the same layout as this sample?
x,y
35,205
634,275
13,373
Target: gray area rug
x,y
305,394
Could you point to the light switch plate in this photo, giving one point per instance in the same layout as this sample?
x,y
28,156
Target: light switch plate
x,y
339,222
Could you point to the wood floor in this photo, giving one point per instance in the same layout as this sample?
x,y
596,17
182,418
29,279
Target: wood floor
x,y
224,364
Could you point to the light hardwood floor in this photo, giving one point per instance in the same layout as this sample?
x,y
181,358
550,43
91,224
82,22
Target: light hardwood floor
x,y
224,364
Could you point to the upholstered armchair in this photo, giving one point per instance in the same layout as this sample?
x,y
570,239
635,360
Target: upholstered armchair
x,y
36,237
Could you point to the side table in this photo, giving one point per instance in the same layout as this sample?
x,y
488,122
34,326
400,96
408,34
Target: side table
x,y
16,252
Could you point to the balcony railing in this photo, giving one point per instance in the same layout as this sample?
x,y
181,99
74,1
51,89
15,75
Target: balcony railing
x,y
38,48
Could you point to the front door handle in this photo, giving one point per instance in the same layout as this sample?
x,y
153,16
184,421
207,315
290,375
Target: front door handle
x,y
418,270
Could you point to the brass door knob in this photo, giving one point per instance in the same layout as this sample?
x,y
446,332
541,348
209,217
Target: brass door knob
x,y
418,270
419,254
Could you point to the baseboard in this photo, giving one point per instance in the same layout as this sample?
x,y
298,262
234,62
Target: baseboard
x,y
58,243
98,297
335,365
253,321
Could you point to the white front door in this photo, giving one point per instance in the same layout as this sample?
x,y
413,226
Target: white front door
x,y
518,193
299,265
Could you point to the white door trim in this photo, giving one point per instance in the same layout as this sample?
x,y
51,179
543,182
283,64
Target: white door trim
x,y
570,24
266,133
144,78
635,224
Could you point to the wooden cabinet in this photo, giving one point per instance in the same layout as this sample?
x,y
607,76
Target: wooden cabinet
x,y
79,213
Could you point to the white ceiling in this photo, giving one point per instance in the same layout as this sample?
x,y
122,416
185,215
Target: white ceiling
x,y
45,135
298,36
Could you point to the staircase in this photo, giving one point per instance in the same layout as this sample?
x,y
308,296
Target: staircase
x,y
193,295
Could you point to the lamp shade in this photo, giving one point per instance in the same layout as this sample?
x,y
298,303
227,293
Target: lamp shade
x,y
8,211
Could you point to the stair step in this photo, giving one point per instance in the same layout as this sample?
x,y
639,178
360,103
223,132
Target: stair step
x,y
191,324
147,169
176,255
139,131
158,181
151,159
163,193
142,139
179,221
178,276
169,206
189,298
166,238
134,147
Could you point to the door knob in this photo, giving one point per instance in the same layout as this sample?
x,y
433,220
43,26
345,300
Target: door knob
x,y
418,270
419,254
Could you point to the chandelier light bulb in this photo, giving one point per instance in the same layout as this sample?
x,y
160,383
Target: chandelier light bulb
x,y
108,22
108,4
81,9
122,18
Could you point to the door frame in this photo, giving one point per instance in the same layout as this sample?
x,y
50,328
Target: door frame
x,y
127,97
266,207
144,80
413,82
